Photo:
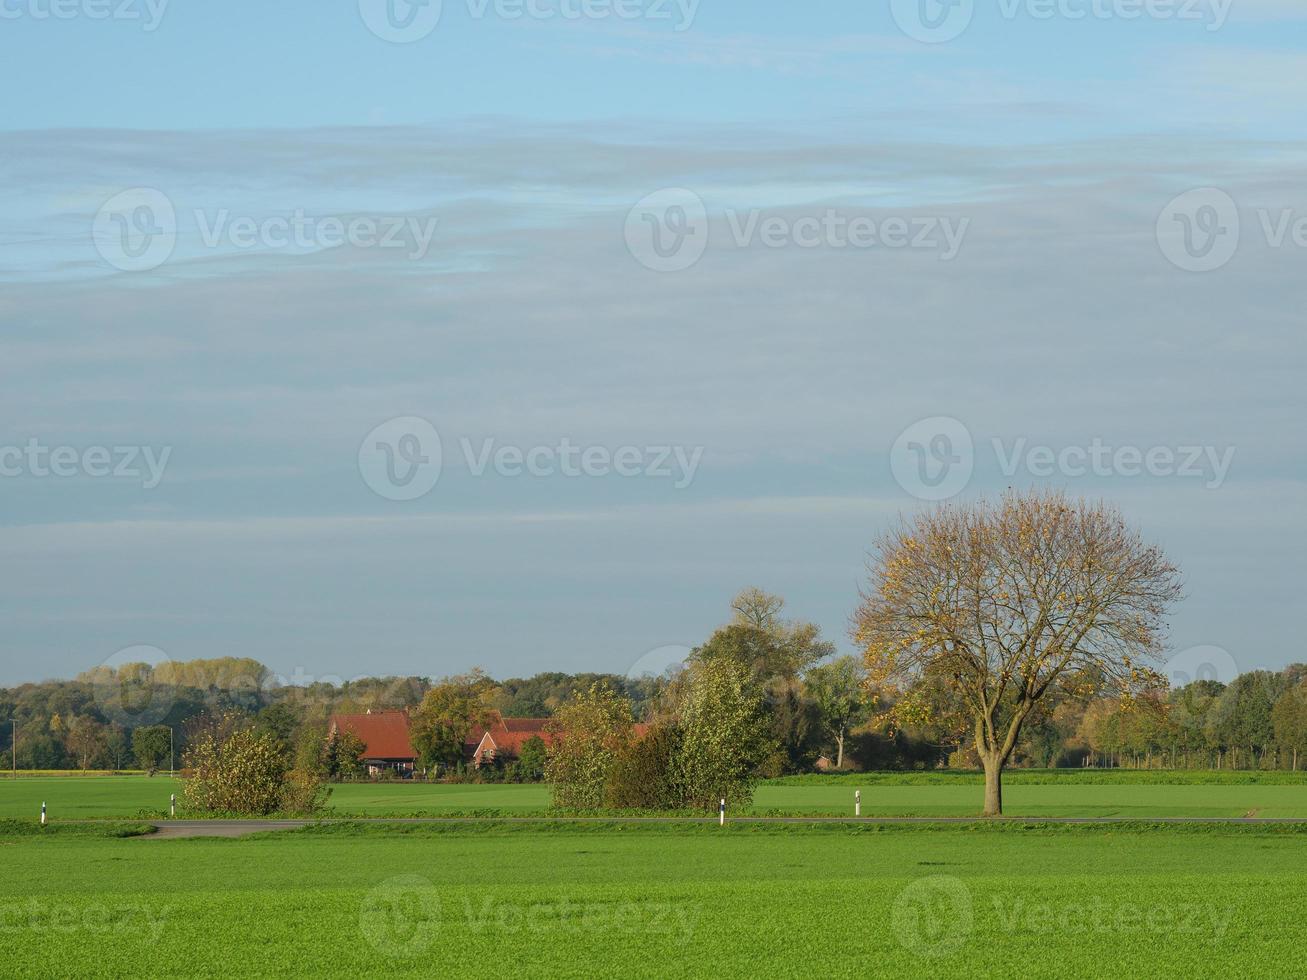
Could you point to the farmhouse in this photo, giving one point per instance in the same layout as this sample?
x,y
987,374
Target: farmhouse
x,y
504,738
385,739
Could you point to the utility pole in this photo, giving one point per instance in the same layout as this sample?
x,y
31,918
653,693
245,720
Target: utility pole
x,y
14,746
172,759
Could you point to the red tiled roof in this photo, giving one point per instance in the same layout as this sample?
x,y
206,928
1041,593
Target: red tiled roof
x,y
385,734
510,734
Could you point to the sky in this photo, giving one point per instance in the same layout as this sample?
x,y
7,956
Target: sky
x,y
362,337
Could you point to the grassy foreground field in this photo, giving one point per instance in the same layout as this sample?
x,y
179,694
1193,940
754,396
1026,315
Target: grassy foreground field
x,y
1071,793
660,901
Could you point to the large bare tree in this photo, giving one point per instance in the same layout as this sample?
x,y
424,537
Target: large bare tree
x,y
1007,602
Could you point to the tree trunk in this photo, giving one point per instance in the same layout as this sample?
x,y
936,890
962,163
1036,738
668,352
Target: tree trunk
x,y
993,788
839,751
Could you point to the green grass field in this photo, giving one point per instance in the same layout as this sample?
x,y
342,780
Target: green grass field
x,y
1025,794
658,901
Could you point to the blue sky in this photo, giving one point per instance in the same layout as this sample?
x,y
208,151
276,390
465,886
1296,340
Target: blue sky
x,y
521,310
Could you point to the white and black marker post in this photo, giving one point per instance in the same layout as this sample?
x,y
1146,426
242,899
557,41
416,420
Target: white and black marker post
x,y
172,804
43,813
721,813
857,802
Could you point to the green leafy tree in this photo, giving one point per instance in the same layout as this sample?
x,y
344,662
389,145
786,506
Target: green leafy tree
x,y
343,755
1289,718
837,690
531,761
724,733
777,651
1243,713
115,745
281,722
447,715
150,745
590,732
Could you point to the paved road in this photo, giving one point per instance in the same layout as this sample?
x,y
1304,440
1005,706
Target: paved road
x,y
240,828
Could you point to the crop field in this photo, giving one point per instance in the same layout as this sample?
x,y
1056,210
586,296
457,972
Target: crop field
x,y
657,901
1073,793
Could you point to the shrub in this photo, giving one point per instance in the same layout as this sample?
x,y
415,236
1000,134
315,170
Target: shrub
x,y
592,730
641,777
304,794
242,772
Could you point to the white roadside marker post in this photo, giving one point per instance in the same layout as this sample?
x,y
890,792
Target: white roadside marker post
x,y
172,804
857,802
43,813
721,813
